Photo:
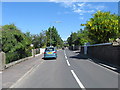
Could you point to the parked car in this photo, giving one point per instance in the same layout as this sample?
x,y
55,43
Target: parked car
x,y
50,52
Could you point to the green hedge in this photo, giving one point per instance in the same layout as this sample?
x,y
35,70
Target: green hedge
x,y
15,44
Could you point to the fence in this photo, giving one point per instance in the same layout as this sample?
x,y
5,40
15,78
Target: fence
x,y
104,52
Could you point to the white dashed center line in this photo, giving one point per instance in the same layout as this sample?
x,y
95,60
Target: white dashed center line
x,y
75,76
78,81
68,63
66,57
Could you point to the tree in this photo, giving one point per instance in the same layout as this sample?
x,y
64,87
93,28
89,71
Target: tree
x,y
72,40
14,43
28,34
83,37
102,27
55,37
0,38
43,39
36,41
78,38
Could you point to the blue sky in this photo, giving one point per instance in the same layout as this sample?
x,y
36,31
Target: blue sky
x,y
37,16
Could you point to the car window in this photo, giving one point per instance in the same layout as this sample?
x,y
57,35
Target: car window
x,y
49,49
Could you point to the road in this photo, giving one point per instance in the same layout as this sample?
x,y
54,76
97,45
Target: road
x,y
0,80
69,71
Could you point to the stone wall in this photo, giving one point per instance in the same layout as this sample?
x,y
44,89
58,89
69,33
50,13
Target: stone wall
x,y
106,53
2,61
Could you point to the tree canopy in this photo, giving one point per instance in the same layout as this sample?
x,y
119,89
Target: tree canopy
x,y
103,27
78,38
14,43
55,37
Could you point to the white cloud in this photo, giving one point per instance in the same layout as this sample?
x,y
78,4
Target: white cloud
x,y
96,7
74,7
82,8
78,11
81,4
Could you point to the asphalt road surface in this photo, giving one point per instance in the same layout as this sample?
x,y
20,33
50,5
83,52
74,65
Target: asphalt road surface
x,y
0,80
69,71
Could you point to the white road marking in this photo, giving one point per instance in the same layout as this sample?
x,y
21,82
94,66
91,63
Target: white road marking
x,y
90,60
64,51
109,66
31,70
65,54
78,81
74,51
0,72
68,63
66,57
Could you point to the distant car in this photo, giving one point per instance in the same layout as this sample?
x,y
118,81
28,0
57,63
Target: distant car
x,y
50,52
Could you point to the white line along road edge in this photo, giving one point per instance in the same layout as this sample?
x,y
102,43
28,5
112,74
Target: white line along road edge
x,y
30,71
78,81
0,72
103,66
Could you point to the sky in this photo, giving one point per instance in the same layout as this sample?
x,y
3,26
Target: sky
x,y
34,17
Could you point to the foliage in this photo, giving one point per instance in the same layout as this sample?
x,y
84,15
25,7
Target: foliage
x,y
39,40
0,38
14,43
43,39
78,38
103,27
55,37
83,37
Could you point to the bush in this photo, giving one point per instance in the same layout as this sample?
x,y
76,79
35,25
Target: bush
x,y
15,44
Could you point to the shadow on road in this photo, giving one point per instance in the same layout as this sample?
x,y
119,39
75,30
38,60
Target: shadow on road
x,y
79,56
49,59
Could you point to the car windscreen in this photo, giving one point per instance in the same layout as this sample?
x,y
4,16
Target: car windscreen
x,y
49,49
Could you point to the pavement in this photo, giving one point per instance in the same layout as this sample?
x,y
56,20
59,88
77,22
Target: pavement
x,y
0,80
69,70
12,74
